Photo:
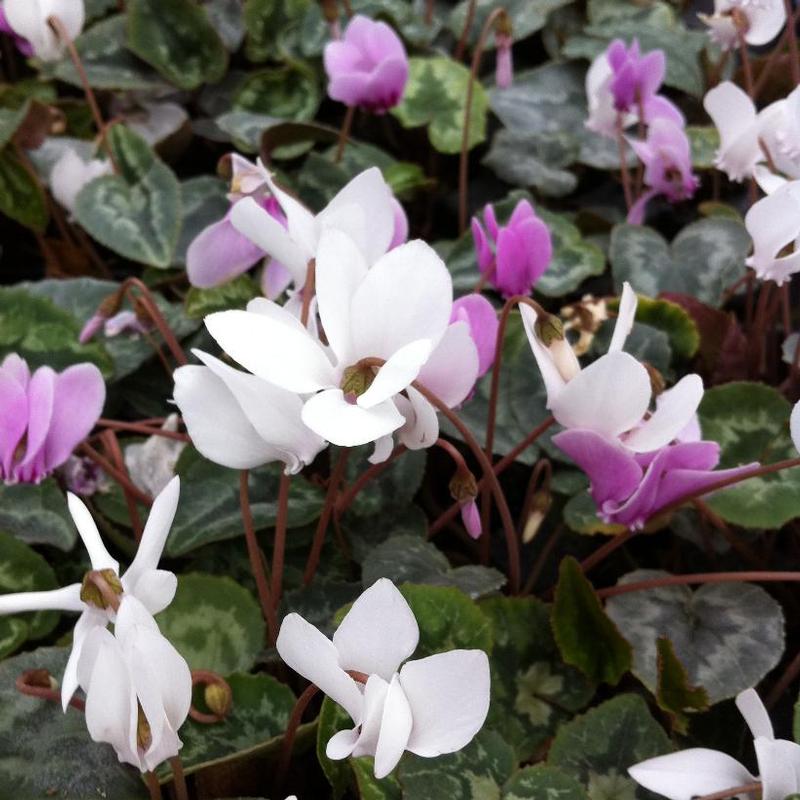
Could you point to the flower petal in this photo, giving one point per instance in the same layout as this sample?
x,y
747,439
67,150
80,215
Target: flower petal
x,y
66,599
89,619
378,633
421,428
401,369
219,253
779,765
554,383
396,726
625,316
309,652
87,529
752,708
452,368
13,419
449,698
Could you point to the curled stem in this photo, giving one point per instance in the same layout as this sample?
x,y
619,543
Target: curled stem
x,y
461,47
205,677
291,732
37,683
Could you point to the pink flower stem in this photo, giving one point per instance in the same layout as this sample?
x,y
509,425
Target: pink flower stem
x,y
461,47
120,477
463,169
256,559
279,544
344,133
37,683
153,786
178,779
623,164
748,788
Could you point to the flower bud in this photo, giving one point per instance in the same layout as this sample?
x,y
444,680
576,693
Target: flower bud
x,y
93,595
107,309
504,69
218,698
463,487
540,505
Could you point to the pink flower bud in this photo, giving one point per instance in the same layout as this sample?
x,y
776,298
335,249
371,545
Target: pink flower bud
x,y
504,70
471,518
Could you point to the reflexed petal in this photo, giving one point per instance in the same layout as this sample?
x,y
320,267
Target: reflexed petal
x,y
375,692
348,425
383,449
481,318
732,110
342,744
421,428
378,633
407,295
452,369
779,765
766,19
303,226
66,599
625,318
609,397
553,382
155,589
395,729
87,529
673,414
690,773
216,423
88,620
41,394
310,653
449,698
773,222
273,348
752,708
220,253
401,369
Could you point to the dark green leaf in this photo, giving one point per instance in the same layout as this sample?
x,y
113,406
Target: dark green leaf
x,y
543,783
674,693
289,92
233,294
21,195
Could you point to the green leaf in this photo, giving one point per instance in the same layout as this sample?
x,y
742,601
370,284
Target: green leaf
x,y
703,260
436,96
137,213
21,195
543,783
37,514
233,294
245,129
533,690
409,558
267,22
258,718
288,92
76,768
523,160
42,334
750,422
24,570
586,637
704,626
80,297
369,787
210,511
214,623
580,515
177,38
13,634
674,693
598,747
204,201
332,719
107,61
475,773
10,121
704,141
227,19
684,338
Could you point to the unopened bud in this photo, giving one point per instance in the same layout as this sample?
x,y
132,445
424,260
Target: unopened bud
x,y
144,736
107,309
549,329
218,698
91,592
540,505
463,487
41,678
657,382
356,381
504,69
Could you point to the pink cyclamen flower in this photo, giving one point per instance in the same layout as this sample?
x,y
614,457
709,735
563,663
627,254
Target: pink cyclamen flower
x,y
504,70
44,415
481,319
368,67
666,155
22,44
513,256
636,77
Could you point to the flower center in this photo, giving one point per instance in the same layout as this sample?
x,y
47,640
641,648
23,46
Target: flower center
x,y
355,381
101,589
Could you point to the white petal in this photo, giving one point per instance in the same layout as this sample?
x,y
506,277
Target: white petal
x,y
87,529
70,12
342,744
309,652
155,589
773,222
452,369
383,449
396,727
765,21
609,397
779,765
401,369
755,714
303,226
675,411
378,633
91,618
340,268
449,698
625,317
274,349
690,773
216,423
794,425
252,221
66,599
554,383
734,115
407,295
347,425
421,429
370,194
767,181
273,412
155,533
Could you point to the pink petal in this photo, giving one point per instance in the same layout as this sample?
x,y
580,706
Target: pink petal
x,y
220,253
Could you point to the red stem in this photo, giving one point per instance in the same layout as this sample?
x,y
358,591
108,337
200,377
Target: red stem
x,y
145,430
291,732
698,578
623,164
461,47
347,497
279,545
23,686
109,439
747,788
121,478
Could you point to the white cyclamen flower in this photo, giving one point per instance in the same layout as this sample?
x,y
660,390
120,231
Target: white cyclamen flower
x,y
762,21
138,687
71,173
397,312
241,421
774,225
151,464
779,132
429,707
152,587
364,209
700,771
29,19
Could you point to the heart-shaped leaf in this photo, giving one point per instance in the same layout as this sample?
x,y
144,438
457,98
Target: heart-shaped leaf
x,y
138,212
37,514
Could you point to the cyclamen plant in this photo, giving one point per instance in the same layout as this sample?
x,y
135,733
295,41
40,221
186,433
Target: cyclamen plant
x,y
449,436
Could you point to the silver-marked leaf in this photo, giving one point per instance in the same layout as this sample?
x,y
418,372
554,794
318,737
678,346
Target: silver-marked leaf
x,y
203,201
245,128
750,423
436,96
704,141
728,636
227,19
107,61
21,196
37,514
703,260
177,38
259,714
544,783
290,92
75,768
138,212
214,623
268,22
598,747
